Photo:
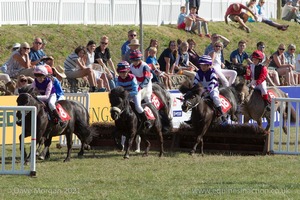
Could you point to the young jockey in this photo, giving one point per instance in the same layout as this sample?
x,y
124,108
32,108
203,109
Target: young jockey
x,y
47,92
143,76
206,75
257,73
60,95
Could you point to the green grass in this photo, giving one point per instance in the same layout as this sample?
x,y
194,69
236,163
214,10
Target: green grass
x,y
104,174
63,39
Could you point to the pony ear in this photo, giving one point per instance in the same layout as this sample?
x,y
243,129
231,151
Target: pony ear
x,y
185,86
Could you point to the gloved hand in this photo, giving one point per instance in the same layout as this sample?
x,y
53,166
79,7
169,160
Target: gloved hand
x,y
252,84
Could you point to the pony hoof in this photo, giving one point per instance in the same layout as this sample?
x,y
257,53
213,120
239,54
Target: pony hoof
x,y
126,157
67,160
191,153
41,158
145,155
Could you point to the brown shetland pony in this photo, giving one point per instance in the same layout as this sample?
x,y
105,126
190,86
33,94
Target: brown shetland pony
x,y
253,106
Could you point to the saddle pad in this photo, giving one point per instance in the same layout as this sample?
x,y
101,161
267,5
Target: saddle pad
x,y
149,113
156,101
62,113
272,94
226,105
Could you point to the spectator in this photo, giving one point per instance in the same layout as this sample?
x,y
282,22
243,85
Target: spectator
x,y
181,18
36,54
291,59
19,62
290,12
272,76
153,43
193,21
239,55
298,63
22,81
131,35
155,68
15,47
183,64
262,15
193,55
168,57
133,45
75,67
219,66
103,58
278,63
214,38
59,72
234,11
193,3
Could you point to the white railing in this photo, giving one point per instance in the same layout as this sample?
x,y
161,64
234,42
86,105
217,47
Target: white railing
x,y
281,143
110,12
9,152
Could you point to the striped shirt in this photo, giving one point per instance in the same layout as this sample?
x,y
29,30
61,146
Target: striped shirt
x,y
208,79
129,83
70,62
142,73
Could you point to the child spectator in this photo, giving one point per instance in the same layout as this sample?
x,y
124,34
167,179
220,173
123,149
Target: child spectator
x,y
181,18
154,65
193,21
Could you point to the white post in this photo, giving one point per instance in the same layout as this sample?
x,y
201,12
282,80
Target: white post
x,y
0,15
159,20
60,12
112,13
85,12
136,12
33,143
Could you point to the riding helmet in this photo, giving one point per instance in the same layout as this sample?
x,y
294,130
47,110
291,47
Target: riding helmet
x,y
49,69
135,55
258,54
123,66
40,69
205,60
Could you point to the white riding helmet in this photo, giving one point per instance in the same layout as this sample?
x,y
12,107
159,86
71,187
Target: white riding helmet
x,y
40,69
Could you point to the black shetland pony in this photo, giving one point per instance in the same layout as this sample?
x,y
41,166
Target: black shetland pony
x,y
46,129
203,115
127,121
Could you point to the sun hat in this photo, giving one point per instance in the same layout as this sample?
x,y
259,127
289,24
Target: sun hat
x,y
205,60
16,46
60,71
25,44
135,55
134,42
40,69
123,66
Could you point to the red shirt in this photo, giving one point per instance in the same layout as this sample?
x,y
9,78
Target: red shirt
x,y
231,11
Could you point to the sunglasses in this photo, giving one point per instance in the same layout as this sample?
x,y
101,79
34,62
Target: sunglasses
x,y
39,43
218,46
281,49
292,49
104,43
262,47
39,75
23,80
132,35
26,48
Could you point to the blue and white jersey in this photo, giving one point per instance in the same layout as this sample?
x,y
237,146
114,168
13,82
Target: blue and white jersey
x,y
208,79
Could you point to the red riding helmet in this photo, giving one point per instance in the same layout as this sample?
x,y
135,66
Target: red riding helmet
x,y
123,66
135,55
258,54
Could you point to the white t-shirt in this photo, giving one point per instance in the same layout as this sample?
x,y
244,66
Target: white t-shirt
x,y
298,63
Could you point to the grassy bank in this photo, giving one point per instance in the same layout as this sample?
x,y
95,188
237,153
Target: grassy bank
x,y
63,39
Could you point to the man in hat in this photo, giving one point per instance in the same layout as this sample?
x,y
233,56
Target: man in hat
x,y
133,45
125,47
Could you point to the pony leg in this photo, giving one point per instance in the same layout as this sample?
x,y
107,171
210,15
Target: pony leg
x,y
138,143
201,142
161,140
25,154
128,143
45,153
69,145
148,145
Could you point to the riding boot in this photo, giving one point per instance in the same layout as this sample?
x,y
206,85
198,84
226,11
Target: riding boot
x,y
56,118
145,120
267,102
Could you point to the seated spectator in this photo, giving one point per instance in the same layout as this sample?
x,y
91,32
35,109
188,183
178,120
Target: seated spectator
x,y
153,43
131,35
19,62
181,18
291,59
272,76
217,64
103,58
15,47
193,55
183,64
193,3
59,72
194,21
289,12
298,63
168,57
278,63
155,68
214,38
75,67
100,75
36,54
234,11
22,81
239,55
133,45
261,13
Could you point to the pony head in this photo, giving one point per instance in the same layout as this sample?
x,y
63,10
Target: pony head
x,y
118,98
